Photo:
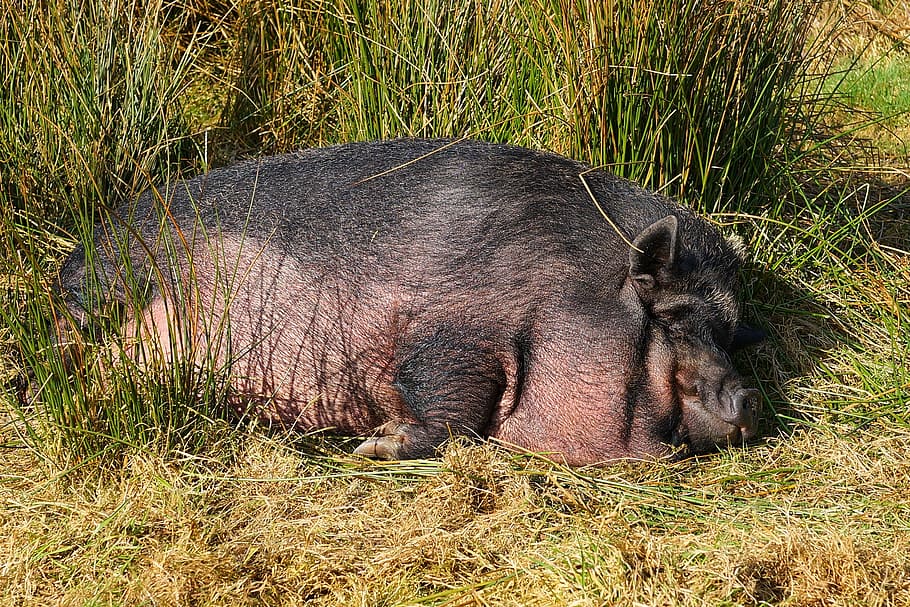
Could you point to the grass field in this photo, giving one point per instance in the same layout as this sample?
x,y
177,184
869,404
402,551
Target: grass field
x,y
787,124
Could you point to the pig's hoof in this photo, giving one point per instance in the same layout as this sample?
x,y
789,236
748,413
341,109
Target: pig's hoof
x,y
386,447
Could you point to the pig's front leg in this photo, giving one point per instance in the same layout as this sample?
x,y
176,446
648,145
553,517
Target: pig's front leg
x,y
450,384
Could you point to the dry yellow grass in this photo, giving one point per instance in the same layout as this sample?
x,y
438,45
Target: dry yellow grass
x,y
817,519
867,28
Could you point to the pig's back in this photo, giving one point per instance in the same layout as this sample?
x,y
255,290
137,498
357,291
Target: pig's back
x,y
371,202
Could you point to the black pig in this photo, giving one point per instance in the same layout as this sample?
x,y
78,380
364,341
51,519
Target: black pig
x,y
414,290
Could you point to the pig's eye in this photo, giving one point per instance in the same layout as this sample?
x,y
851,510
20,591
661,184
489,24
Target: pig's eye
x,y
690,391
680,308
674,314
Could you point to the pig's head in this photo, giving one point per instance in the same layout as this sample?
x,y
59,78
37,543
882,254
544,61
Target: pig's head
x,y
689,300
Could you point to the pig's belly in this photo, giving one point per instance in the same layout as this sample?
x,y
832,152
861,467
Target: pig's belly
x,y
302,350
292,380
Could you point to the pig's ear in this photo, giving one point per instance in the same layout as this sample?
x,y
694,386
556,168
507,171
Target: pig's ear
x,y
653,253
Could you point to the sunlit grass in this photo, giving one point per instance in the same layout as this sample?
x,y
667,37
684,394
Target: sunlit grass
x,y
696,99
819,518
878,88
125,486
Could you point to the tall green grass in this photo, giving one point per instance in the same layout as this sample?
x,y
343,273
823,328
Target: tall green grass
x,y
87,103
712,102
696,98
89,116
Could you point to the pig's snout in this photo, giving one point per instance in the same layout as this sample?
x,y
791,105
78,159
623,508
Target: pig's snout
x,y
738,408
717,408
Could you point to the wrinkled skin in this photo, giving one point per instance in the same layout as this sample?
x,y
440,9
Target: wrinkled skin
x,y
408,291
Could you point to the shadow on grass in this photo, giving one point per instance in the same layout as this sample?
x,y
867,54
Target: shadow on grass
x,y
827,276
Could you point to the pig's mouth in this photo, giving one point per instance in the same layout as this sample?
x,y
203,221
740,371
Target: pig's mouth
x,y
727,418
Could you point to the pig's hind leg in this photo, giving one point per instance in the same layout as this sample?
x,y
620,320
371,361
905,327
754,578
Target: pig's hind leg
x,y
450,387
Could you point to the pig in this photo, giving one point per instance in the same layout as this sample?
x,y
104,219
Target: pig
x,y
410,291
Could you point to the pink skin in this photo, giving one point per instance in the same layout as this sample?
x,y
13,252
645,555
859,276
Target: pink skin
x,y
297,367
